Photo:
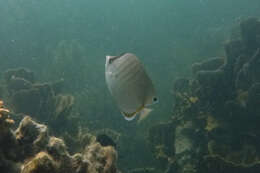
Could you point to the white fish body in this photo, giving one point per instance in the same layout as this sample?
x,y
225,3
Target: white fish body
x,y
130,85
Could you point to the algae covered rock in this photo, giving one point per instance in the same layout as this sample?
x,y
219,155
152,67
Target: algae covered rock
x,y
41,163
32,136
107,137
208,64
43,101
250,33
9,148
21,73
218,131
30,149
143,170
103,159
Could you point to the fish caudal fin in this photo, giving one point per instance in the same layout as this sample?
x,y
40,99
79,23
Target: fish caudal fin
x,y
144,114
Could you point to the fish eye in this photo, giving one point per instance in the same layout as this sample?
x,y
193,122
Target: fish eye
x,y
155,99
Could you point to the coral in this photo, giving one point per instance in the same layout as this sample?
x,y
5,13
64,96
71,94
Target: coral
x,y
162,136
63,104
105,140
212,123
250,33
143,170
107,137
17,83
31,135
77,142
41,163
57,148
104,158
216,114
43,101
21,73
9,148
217,164
36,101
5,121
208,64
242,97
30,149
249,72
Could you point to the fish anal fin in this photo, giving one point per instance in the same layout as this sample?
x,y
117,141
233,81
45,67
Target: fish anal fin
x,y
144,114
129,116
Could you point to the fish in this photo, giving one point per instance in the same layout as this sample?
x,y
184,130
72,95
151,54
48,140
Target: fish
x,y
130,85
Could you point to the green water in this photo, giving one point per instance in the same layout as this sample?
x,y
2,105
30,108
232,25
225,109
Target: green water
x,y
69,39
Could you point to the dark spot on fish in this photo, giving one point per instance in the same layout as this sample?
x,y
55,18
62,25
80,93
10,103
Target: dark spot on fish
x,y
155,99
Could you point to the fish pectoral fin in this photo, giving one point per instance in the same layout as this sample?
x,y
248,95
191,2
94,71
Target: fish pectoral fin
x,y
144,114
129,116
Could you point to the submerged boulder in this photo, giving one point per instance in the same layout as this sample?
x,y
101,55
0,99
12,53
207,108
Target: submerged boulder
x,y
41,163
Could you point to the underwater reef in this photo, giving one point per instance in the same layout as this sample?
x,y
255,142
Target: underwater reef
x,y
28,146
44,101
216,114
31,149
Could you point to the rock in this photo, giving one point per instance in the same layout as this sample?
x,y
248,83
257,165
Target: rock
x,y
143,170
207,65
241,60
219,130
249,73
37,101
217,164
30,150
254,99
41,163
162,134
9,148
105,140
181,85
171,168
32,136
63,104
107,137
57,148
79,164
21,73
103,159
211,78
250,33
243,80
17,83
254,65
233,50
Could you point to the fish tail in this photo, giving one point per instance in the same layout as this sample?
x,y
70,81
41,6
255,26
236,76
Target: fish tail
x,y
144,114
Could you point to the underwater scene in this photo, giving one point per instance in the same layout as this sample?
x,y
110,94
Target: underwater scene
x,y
130,86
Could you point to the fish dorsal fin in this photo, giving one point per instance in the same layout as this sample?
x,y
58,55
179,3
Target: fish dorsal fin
x,y
113,58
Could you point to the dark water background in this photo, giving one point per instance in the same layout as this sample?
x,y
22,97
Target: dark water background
x,y
69,39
